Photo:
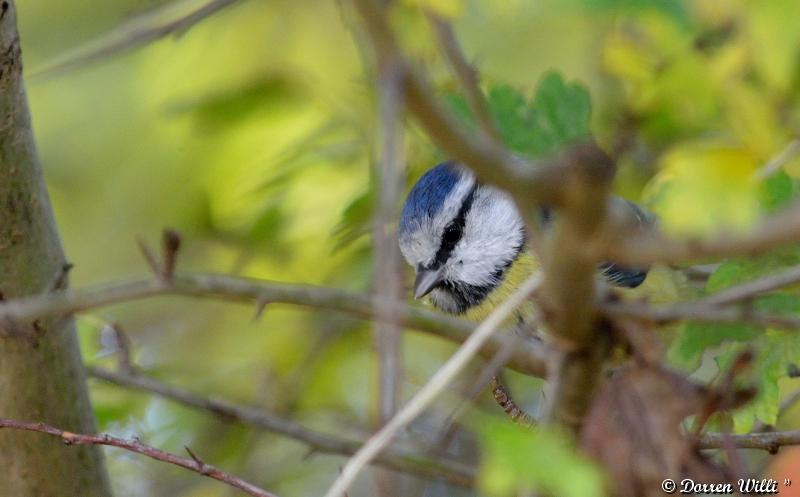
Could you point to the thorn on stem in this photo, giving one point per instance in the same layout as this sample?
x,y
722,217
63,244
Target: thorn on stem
x,y
149,257
68,437
123,345
171,243
60,281
202,467
261,304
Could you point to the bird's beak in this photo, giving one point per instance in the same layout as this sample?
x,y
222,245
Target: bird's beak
x,y
427,279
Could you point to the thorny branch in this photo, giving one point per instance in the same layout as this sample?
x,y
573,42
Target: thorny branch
x,y
776,230
133,34
135,445
467,76
395,459
528,356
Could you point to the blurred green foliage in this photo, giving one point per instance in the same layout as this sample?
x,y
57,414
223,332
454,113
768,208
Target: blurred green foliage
x,y
252,133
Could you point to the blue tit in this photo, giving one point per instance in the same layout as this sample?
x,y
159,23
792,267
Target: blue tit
x,y
467,243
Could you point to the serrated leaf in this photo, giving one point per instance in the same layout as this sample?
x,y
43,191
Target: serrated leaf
x,y
693,339
557,115
511,114
560,114
776,350
517,460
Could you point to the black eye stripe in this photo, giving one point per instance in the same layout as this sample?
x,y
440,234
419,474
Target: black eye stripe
x,y
454,230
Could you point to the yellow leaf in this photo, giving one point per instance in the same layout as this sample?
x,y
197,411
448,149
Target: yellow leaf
x,y
704,187
753,119
449,9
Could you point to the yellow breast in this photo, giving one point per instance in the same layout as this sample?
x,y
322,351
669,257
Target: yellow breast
x,y
524,266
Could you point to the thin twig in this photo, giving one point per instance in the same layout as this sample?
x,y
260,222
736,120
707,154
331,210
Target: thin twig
x,y
466,74
752,289
776,230
398,460
528,357
131,35
170,244
388,270
502,396
542,181
770,441
135,445
487,375
775,164
698,312
428,393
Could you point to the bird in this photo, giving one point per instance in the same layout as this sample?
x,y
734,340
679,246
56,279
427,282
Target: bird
x,y
468,244
469,247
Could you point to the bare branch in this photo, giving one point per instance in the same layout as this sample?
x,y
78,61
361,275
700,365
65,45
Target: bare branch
x,y
387,278
467,75
170,244
770,441
503,398
529,182
699,312
451,471
428,393
711,308
131,35
528,357
751,289
134,445
569,293
782,228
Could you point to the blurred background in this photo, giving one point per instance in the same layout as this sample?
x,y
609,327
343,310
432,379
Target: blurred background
x,y
252,134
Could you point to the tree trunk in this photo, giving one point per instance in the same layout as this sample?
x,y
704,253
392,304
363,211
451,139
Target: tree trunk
x,y
41,372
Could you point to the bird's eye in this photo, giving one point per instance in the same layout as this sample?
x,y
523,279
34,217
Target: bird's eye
x,y
451,234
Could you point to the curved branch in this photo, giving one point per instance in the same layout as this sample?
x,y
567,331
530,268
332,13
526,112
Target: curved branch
x,y
466,74
754,288
134,445
530,182
777,230
699,312
451,471
528,357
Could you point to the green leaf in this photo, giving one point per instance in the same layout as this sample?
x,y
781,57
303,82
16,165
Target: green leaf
x,y
776,191
560,114
693,339
557,115
518,460
355,220
776,350
737,271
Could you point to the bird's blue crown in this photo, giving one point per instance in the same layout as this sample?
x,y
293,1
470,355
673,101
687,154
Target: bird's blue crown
x,y
429,194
